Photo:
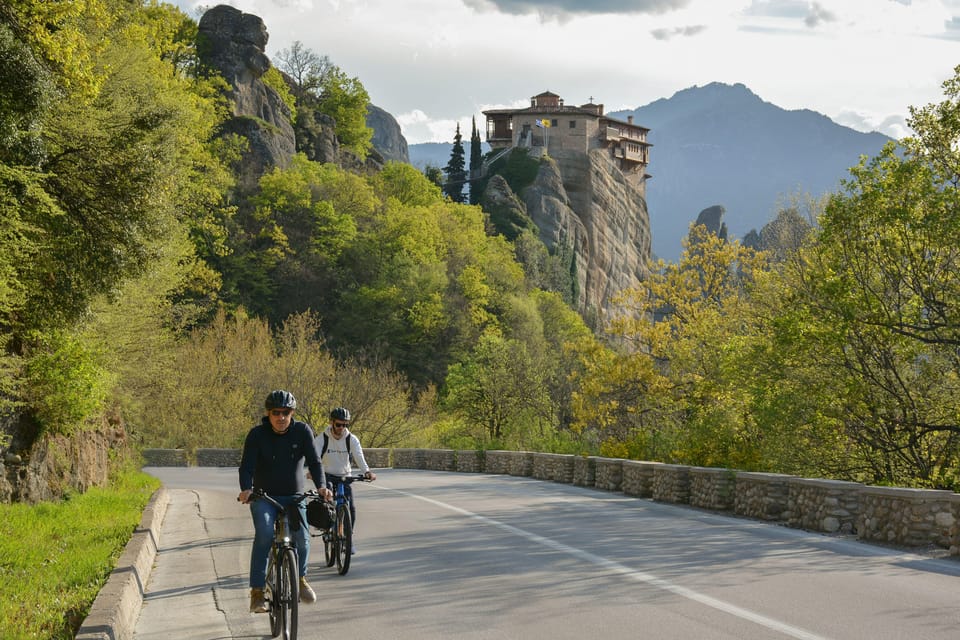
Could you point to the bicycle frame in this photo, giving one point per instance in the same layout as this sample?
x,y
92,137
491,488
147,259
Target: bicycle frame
x,y
282,589
338,541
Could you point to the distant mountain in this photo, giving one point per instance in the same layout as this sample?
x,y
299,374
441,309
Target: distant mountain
x,y
722,145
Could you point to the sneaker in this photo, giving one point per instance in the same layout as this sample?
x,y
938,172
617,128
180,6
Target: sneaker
x,y
307,596
258,604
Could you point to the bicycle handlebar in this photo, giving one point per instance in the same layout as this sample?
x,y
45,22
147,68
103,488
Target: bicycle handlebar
x,y
260,494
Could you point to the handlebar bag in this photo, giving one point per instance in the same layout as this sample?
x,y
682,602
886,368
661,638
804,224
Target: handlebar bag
x,y
320,514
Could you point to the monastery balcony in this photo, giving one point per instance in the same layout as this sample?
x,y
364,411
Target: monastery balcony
x,y
627,152
613,134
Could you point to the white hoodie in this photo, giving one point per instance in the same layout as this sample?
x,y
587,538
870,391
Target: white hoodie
x,y
336,461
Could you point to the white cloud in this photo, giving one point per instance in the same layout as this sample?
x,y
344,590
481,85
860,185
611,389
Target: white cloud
x,y
435,62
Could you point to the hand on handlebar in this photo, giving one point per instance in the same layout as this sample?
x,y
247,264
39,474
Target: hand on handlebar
x,y
370,475
244,497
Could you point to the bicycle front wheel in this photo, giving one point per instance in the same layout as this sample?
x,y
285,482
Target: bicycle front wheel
x,y
330,546
290,594
273,595
344,539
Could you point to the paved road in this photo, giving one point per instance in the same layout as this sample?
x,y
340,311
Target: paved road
x,y
475,556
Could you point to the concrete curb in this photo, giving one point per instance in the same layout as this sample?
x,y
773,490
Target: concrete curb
x,y
114,613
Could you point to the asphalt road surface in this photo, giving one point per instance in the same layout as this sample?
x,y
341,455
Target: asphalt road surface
x,y
476,556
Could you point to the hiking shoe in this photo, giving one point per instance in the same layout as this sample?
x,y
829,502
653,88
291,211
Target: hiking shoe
x,y
258,604
307,596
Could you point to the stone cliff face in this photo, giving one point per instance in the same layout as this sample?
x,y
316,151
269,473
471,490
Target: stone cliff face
x,y
387,137
52,466
583,200
232,42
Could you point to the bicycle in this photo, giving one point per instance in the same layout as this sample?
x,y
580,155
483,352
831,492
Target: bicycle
x,y
338,540
282,590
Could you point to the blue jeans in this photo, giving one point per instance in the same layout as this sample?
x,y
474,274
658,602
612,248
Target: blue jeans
x,y
264,515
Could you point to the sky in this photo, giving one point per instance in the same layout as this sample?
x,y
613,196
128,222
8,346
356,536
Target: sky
x,y
435,63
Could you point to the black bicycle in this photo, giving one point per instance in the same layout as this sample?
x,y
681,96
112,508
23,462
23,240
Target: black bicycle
x,y
282,590
338,539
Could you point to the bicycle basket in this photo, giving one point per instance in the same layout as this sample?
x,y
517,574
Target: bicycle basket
x,y
320,514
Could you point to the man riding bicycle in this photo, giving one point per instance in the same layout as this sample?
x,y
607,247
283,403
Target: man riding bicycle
x,y
337,446
274,454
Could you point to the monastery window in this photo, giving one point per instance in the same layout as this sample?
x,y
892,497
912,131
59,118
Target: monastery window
x,y
573,124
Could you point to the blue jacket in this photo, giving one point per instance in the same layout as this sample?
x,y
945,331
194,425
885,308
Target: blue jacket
x,y
274,462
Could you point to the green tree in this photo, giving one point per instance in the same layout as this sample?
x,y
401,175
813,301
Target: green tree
x,y
456,176
346,101
434,175
306,68
476,162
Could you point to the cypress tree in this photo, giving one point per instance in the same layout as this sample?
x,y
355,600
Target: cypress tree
x,y
476,163
456,176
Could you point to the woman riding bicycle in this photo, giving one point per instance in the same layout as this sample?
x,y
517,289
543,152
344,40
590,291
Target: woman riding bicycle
x,y
337,446
274,454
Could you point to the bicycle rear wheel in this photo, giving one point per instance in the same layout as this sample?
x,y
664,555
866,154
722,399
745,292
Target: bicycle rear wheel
x,y
344,539
290,594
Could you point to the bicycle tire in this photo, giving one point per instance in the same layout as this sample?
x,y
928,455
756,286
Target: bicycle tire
x,y
330,547
272,595
290,589
344,539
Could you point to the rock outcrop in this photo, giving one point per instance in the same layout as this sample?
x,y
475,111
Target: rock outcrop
x,y
52,466
387,137
232,43
712,219
584,201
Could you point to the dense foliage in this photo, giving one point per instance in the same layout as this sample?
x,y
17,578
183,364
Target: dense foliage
x,y
134,279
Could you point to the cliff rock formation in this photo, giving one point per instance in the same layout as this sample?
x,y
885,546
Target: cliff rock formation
x,y
232,43
387,137
712,219
584,201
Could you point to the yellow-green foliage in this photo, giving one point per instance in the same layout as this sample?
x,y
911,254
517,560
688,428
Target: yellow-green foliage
x,y
214,393
55,557
63,383
274,79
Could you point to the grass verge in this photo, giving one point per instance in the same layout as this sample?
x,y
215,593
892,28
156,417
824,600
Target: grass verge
x,y
55,557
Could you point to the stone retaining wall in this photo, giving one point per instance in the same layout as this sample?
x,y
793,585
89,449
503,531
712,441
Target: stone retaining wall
x,y
609,474
584,471
638,478
912,517
165,457
553,466
671,483
470,461
218,457
763,496
909,517
830,506
377,458
712,488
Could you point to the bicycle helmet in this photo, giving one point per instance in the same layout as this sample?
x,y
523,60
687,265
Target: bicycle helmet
x,y
280,399
341,414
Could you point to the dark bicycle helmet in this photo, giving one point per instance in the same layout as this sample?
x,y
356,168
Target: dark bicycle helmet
x,y
340,414
280,399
